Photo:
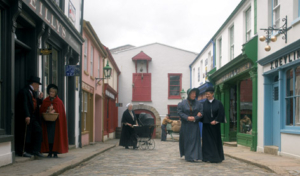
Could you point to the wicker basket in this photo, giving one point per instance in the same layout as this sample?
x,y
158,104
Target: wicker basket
x,y
50,116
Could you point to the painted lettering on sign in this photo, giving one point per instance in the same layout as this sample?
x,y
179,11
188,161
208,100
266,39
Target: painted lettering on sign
x,y
109,94
285,59
87,87
48,16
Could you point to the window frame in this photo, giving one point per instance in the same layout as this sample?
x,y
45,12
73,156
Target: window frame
x,y
92,61
293,97
248,27
180,85
198,74
85,53
169,112
231,42
220,52
274,10
298,8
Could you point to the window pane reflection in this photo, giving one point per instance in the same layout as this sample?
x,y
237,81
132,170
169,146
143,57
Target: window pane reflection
x,y
246,106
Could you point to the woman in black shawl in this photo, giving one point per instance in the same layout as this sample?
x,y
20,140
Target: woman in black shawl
x,y
213,115
128,135
189,139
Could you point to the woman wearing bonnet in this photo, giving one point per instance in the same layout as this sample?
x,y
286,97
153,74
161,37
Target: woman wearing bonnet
x,y
128,135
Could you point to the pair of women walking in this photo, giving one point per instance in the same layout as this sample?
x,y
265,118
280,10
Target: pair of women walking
x,y
211,114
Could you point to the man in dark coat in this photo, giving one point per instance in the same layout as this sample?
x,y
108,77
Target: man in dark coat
x,y
189,111
28,121
128,135
213,115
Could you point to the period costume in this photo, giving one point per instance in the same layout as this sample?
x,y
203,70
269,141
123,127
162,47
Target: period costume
x,y
164,128
212,147
55,134
189,140
27,105
128,135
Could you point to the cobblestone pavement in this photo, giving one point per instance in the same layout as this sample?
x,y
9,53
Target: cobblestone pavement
x,y
163,160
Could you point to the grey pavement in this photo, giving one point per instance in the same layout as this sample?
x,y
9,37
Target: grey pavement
x,y
163,160
54,166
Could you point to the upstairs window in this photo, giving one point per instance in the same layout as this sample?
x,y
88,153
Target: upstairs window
x,y
248,24
220,52
174,86
198,74
92,61
231,42
85,55
276,13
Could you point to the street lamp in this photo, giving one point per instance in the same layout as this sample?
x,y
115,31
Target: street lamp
x,y
182,94
107,72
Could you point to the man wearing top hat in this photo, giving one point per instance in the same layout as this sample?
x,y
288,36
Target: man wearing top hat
x,y
28,130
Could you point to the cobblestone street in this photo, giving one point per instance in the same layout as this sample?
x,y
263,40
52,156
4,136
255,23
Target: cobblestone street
x,y
163,160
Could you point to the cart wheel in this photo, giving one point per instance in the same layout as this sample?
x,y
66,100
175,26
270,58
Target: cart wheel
x,y
151,144
143,144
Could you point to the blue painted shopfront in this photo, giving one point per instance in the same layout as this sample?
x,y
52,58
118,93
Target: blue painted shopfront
x,y
281,94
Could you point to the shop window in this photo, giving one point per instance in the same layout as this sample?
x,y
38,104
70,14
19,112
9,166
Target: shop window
x,y
293,97
92,61
248,24
231,39
174,86
172,110
246,106
50,69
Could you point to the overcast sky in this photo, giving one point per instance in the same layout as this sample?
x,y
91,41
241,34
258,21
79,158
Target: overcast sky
x,y
186,24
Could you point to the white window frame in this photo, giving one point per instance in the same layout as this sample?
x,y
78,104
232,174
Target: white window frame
x,y
231,42
198,74
220,52
248,23
276,12
92,61
85,67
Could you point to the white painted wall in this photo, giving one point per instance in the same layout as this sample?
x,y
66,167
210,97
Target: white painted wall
x,y
165,59
5,153
204,55
288,8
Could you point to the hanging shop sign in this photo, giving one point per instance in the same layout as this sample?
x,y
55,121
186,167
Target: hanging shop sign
x,y
72,12
234,72
87,87
109,94
285,59
72,70
47,15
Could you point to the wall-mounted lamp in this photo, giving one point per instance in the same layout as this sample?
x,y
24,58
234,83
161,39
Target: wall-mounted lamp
x,y
107,72
282,30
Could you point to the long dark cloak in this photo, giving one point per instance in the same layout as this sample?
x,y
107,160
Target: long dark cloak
x,y
189,140
128,135
212,147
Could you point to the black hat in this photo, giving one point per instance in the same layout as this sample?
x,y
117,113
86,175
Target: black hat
x,y
34,79
51,86
210,89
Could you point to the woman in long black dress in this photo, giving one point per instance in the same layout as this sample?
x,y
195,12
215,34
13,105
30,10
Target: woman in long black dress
x,y
189,139
128,135
213,115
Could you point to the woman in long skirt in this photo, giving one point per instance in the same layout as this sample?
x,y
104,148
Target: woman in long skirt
x,y
189,140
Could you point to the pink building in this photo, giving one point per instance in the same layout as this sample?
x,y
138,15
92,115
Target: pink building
x,y
93,55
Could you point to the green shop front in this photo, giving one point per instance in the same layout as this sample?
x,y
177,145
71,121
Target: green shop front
x,y
236,87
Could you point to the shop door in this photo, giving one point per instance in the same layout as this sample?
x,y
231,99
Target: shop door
x,y
276,117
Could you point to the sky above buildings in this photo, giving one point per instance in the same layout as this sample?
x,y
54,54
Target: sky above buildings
x,y
186,24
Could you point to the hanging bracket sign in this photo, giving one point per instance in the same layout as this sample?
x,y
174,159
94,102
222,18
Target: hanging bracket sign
x,y
72,70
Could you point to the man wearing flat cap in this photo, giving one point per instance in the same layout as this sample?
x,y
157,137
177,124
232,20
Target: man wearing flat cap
x,y
28,130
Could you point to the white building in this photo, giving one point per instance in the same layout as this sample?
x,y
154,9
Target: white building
x,y
229,63
152,78
279,79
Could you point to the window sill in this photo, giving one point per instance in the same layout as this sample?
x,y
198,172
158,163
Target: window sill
x,y
85,132
92,78
86,73
175,97
6,138
295,131
296,21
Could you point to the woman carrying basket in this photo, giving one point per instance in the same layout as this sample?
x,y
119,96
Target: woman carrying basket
x,y
55,136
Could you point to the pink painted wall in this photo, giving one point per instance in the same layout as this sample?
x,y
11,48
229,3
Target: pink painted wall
x,y
97,114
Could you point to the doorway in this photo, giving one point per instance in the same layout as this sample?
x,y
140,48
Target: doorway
x,y
233,113
276,113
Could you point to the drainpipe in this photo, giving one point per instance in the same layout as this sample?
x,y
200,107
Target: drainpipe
x,y
80,77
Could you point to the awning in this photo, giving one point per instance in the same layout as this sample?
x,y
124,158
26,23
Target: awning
x,y
203,87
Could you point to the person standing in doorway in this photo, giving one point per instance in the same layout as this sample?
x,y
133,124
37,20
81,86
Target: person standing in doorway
x,y
189,111
164,127
55,134
128,135
213,115
28,128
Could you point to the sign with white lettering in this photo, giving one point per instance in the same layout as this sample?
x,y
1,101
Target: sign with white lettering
x,y
47,15
87,87
285,59
109,94
72,70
